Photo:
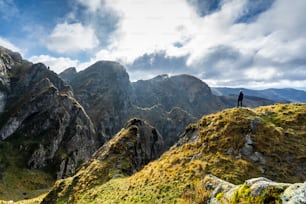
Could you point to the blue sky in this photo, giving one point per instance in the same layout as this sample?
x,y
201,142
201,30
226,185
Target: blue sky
x,y
235,43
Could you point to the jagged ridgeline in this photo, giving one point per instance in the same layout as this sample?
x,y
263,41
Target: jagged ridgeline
x,y
235,145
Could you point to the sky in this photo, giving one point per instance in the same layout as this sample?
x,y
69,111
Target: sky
x,y
234,43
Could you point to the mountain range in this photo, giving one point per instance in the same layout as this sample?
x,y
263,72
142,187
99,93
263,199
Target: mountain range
x,y
96,127
280,95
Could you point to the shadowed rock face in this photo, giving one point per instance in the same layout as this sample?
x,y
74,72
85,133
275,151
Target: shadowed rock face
x,y
42,121
103,90
127,152
184,91
68,74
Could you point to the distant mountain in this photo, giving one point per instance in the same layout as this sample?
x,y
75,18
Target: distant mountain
x,y
235,144
184,91
68,74
279,95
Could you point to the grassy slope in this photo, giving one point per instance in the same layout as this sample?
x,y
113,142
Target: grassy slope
x,y
278,132
16,181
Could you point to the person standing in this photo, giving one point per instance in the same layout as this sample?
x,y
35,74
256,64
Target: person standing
x,y
240,98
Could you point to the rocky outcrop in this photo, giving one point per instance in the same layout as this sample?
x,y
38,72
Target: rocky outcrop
x,y
103,90
8,60
127,152
170,123
42,120
68,74
256,190
52,128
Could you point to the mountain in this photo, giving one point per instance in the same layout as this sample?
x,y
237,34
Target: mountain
x,y
280,95
49,127
184,91
110,99
103,90
127,152
44,132
68,74
235,144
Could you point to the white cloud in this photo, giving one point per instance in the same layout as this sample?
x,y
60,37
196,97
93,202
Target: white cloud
x,y
217,47
7,44
72,38
57,64
149,26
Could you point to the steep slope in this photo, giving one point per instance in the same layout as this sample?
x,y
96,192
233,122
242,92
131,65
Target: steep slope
x,y
103,90
44,132
126,153
235,145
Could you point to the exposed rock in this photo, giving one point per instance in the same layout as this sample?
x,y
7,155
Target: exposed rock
x,y
103,90
127,152
184,91
42,120
295,193
68,74
256,190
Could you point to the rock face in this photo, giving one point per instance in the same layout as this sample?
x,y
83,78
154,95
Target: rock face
x,y
256,190
103,90
68,74
42,121
127,152
184,91
8,60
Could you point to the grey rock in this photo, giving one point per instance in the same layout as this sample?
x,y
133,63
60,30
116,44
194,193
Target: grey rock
x,y
260,189
295,194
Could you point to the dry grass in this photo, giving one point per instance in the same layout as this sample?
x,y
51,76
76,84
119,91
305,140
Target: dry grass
x,y
278,133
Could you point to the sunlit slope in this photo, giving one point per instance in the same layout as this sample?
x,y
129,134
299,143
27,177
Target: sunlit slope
x,y
235,145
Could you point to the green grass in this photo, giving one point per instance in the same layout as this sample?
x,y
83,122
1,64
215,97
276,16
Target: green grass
x,y
279,134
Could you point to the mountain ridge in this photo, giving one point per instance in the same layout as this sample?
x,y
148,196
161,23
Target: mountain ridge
x,y
235,144
280,95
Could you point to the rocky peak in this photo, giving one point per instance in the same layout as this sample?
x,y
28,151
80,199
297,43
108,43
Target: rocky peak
x,y
9,59
68,74
103,90
127,152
